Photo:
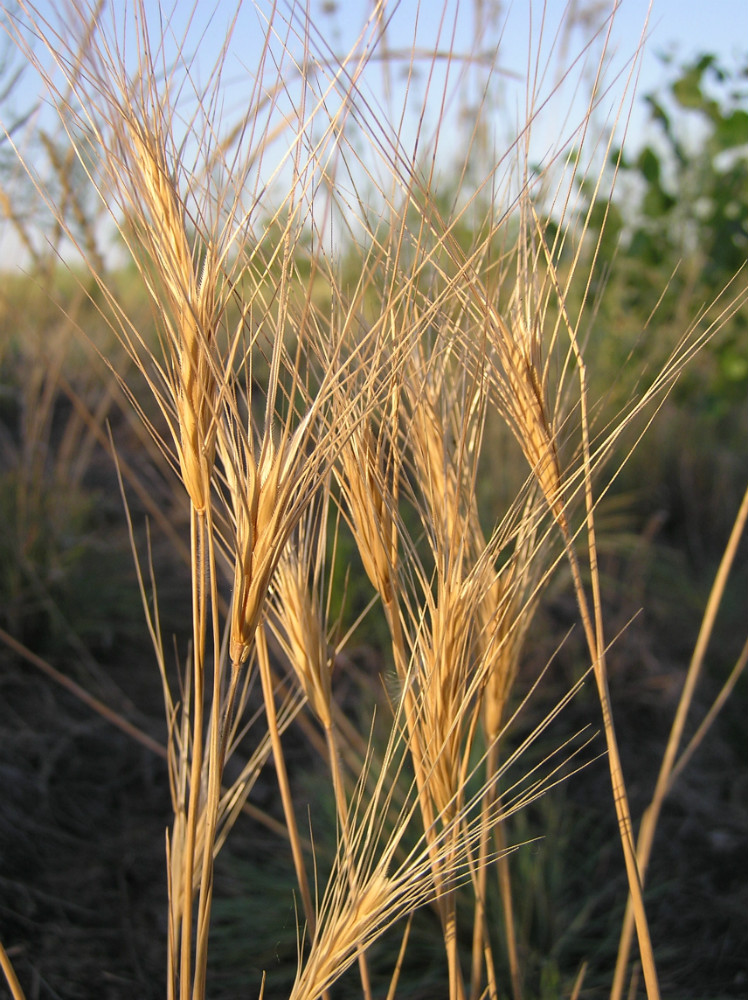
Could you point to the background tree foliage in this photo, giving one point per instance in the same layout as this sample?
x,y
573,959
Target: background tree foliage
x,y
672,238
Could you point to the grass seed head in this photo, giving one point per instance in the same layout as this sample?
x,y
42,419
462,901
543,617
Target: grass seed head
x,y
189,313
297,609
518,379
265,500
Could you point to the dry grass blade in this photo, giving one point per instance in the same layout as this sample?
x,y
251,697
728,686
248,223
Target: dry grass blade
x,y
391,880
663,784
10,976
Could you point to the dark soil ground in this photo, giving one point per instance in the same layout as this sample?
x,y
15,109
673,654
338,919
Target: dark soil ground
x,y
84,809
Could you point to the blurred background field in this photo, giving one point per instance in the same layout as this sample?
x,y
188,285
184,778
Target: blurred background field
x,y
84,802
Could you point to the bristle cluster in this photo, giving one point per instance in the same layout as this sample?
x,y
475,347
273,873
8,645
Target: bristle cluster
x,y
263,501
363,481
191,304
300,616
523,397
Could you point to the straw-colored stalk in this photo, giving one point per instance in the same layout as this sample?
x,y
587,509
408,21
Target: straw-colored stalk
x,y
669,764
189,319
299,623
520,385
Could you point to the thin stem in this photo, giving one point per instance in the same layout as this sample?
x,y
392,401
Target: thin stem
x,y
596,645
216,757
197,560
507,906
479,910
10,975
266,679
341,807
482,952
620,798
651,815
391,992
448,908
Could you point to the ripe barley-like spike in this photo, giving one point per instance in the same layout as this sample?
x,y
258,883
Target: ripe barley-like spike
x,y
151,178
192,305
297,608
264,501
367,506
524,403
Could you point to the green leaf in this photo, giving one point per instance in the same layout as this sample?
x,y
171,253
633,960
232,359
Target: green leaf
x,y
733,365
649,164
657,202
732,130
687,89
658,113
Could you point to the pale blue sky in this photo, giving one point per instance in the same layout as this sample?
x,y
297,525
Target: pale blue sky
x,y
685,27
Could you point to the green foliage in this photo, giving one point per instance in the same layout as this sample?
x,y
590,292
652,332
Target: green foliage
x,y
693,175
671,240
690,197
65,563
